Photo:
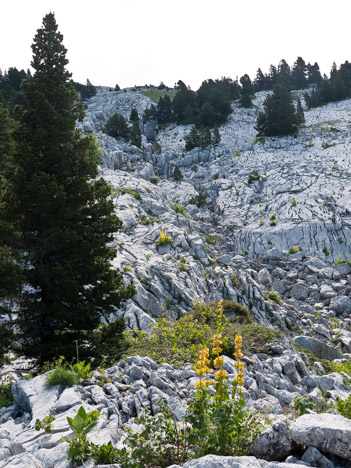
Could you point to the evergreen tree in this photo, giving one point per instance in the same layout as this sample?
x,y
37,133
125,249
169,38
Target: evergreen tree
x,y
260,81
298,75
177,174
117,126
339,88
10,271
134,116
284,72
135,135
164,110
247,90
313,74
207,116
279,116
192,140
326,91
216,135
63,214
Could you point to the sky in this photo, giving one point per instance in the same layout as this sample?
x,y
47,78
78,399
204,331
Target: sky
x,y
138,42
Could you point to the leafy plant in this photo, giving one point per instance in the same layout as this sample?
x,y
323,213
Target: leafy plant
x,y
6,398
253,176
210,239
304,404
344,407
179,209
326,251
80,449
273,296
135,193
293,250
163,238
105,454
45,423
81,370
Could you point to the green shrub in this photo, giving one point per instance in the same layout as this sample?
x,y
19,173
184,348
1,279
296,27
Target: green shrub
x,y
326,251
163,238
80,449
273,296
135,193
61,375
293,202
198,200
179,209
179,342
210,239
154,180
304,404
45,423
221,425
293,250
344,407
253,176
6,398
145,220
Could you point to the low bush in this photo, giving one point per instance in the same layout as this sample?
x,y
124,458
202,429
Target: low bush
x,y
61,375
179,342
179,209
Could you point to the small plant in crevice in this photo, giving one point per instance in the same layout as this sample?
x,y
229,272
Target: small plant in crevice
x,y
253,177
210,239
294,249
326,251
45,423
273,296
180,210
163,238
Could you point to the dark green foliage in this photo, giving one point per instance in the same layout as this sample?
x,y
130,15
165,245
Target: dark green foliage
x,y
164,111
279,116
260,81
299,74
108,345
216,135
11,87
183,99
247,90
198,200
117,126
150,114
62,213
85,91
10,270
117,88
207,117
135,135
134,116
177,175
198,138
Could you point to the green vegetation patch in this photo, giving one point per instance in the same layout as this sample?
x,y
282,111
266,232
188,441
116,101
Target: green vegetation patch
x,y
155,94
180,342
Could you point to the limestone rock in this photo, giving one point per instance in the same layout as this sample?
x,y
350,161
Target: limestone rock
x,y
327,432
318,348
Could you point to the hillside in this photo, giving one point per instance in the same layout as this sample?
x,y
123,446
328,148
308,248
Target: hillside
x,y
251,217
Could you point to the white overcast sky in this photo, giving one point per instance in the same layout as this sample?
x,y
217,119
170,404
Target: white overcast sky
x,y
137,42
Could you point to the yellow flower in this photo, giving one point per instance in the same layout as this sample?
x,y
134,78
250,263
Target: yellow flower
x,y
240,391
221,374
239,365
217,350
218,362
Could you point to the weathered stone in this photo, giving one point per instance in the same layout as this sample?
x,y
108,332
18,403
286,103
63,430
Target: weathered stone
x,y
318,348
340,304
214,461
274,441
315,458
327,432
299,291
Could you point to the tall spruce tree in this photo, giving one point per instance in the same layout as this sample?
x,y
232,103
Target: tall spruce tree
x,y
64,215
279,116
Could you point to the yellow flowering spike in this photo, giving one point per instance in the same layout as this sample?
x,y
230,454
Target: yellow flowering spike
x,y
240,391
221,374
217,350
239,365
218,362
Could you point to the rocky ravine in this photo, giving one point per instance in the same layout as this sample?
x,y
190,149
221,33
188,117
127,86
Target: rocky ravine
x,y
305,183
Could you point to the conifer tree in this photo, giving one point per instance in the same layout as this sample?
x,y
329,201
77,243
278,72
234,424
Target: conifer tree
x,y
299,113
216,135
135,135
62,212
279,117
10,271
